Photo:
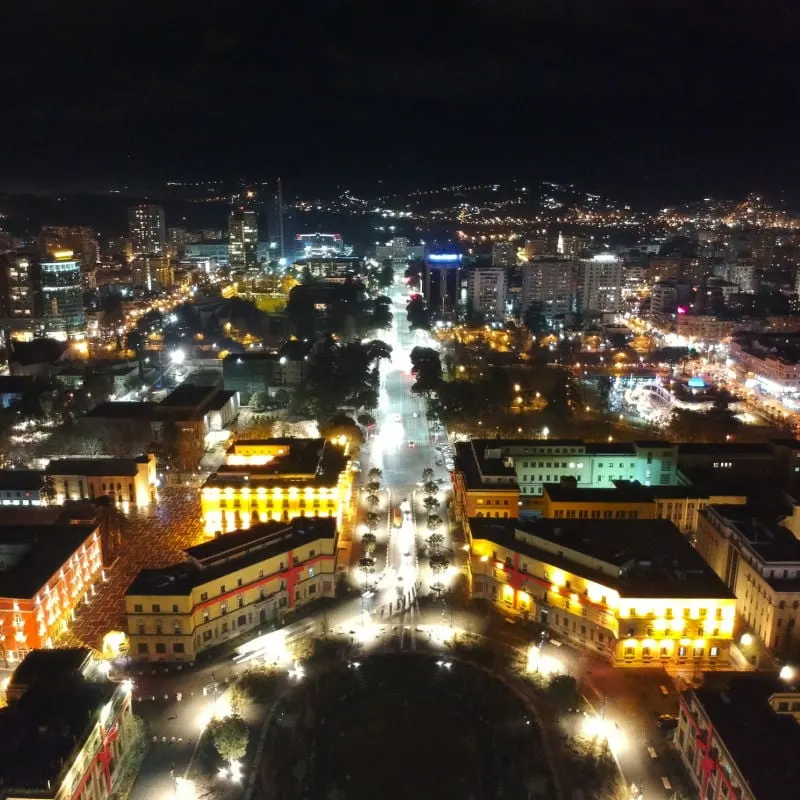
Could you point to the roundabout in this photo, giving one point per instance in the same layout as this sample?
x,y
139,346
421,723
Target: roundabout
x,y
401,725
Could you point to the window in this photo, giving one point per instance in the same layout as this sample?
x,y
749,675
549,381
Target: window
x,y
224,627
312,553
714,652
203,596
159,628
206,635
156,608
682,652
241,602
142,648
241,620
178,647
137,608
238,581
223,609
312,589
222,589
176,628
161,647
140,629
698,652
174,608
205,616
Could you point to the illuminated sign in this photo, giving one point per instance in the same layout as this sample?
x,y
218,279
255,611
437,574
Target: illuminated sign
x,y
444,258
682,309
697,382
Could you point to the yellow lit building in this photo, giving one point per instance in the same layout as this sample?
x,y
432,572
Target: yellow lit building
x,y
635,591
276,479
482,486
226,587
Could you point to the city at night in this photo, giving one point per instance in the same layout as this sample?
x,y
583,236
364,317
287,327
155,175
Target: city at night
x,y
400,401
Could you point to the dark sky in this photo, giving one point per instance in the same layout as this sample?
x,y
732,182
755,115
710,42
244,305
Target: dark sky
x,y
608,93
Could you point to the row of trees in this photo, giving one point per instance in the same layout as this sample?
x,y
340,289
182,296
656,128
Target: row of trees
x,y
437,554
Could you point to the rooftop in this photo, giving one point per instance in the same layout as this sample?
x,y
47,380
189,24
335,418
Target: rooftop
x,y
26,480
723,449
231,552
763,743
652,558
95,467
474,465
40,731
771,542
31,554
625,492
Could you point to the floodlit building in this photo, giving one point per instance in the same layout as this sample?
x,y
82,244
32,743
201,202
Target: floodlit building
x,y
634,591
66,731
62,295
504,254
399,251
320,244
20,289
235,584
277,479
242,238
484,485
22,487
486,290
147,231
45,572
128,481
759,561
738,736
599,282
551,283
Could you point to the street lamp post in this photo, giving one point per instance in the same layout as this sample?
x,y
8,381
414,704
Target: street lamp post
x,y
484,560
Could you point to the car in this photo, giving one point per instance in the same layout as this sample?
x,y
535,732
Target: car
x,y
439,462
667,721
412,443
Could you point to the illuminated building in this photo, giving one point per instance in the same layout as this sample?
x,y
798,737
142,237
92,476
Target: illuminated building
x,y
67,730
599,288
152,272
589,464
319,244
129,481
399,251
20,285
635,591
45,572
483,484
443,283
550,283
760,563
703,328
331,267
242,238
486,290
147,231
237,583
680,505
82,241
22,487
770,360
276,479
738,736
504,254
62,295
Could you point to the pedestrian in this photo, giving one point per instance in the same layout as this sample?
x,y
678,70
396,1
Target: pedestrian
x,y
390,609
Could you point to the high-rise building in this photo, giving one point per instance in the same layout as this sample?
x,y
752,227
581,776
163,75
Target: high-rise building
x,y
147,230
82,241
62,295
399,251
486,290
152,272
177,239
320,244
442,283
20,297
242,238
600,284
551,284
504,254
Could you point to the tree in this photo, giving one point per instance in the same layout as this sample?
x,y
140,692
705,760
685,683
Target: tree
x,y
427,474
438,564
373,520
365,420
258,400
431,504
435,542
230,736
374,474
373,501
432,488
563,692
434,522
370,542
373,487
419,317
535,320
385,275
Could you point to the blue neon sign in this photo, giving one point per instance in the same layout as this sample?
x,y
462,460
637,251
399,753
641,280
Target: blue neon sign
x,y
444,258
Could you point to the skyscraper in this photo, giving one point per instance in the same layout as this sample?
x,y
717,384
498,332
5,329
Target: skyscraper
x,y
486,290
504,254
80,240
148,233
600,284
62,295
242,238
20,296
549,282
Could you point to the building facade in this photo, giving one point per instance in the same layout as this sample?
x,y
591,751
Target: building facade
x,y
600,281
634,591
242,238
240,582
127,481
46,571
67,730
276,479
551,284
62,295
147,230
486,291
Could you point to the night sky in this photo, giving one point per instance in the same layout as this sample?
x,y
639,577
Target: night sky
x,y
652,95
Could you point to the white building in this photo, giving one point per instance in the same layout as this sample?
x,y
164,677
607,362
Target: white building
x,y
486,290
399,251
147,231
600,284
550,282
242,238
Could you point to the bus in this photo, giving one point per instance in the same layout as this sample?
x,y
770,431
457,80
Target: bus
x,y
397,518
